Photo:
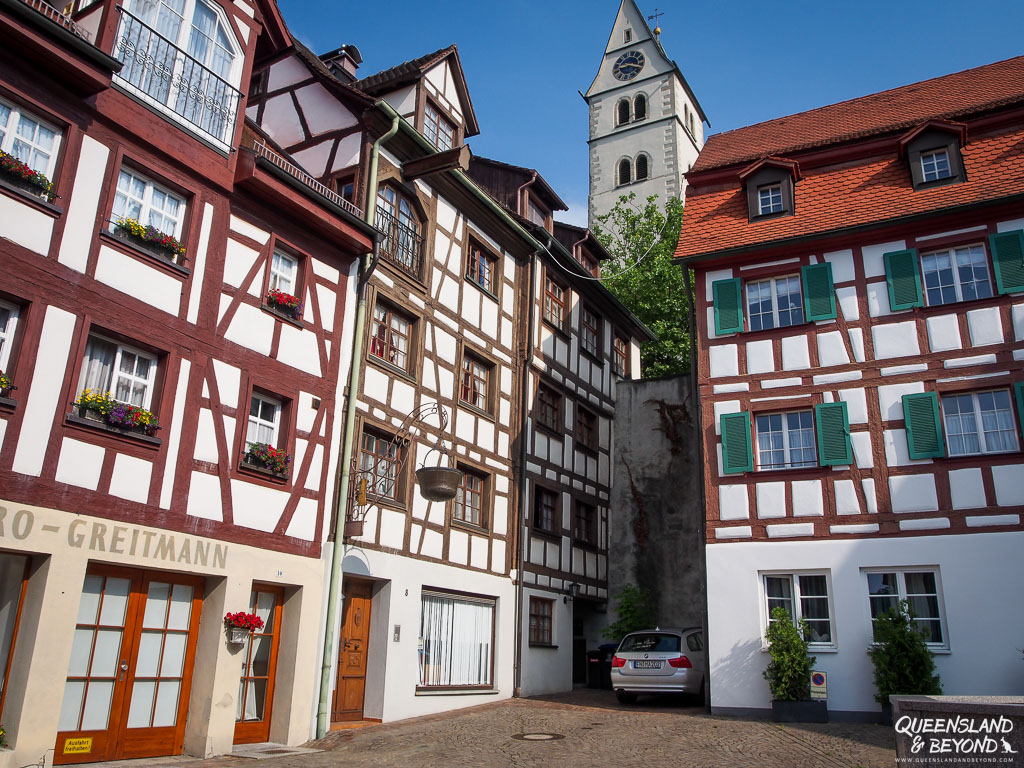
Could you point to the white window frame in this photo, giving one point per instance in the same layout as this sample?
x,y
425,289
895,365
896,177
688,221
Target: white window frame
x,y
933,157
953,254
775,201
284,266
773,283
7,331
116,373
440,128
167,104
786,449
146,203
901,584
10,133
796,612
978,423
257,421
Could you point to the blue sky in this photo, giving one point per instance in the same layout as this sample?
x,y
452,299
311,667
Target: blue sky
x,y
746,61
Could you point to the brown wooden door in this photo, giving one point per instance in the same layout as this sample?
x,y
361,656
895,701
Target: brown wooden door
x,y
259,668
352,652
130,673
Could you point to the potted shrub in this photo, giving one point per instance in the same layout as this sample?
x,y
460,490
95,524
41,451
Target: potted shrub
x,y
240,625
789,672
903,662
265,456
100,406
284,303
18,174
150,238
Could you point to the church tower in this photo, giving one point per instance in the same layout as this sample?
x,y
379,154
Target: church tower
x,y
646,125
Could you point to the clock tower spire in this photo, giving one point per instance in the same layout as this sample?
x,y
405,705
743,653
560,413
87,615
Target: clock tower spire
x,y
646,125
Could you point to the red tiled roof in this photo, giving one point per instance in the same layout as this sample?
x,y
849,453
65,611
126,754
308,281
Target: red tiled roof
x,y
963,93
834,197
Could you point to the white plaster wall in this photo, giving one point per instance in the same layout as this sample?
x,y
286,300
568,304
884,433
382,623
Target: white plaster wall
x,y
80,217
394,665
131,276
982,656
24,225
547,670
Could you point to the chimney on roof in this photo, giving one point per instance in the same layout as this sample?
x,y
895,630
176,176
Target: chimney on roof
x,y
343,62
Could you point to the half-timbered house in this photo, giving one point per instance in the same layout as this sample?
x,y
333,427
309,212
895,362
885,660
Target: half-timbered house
x,y
429,615
858,276
578,341
173,344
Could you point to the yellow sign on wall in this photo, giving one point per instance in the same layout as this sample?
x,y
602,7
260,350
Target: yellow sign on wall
x,y
77,746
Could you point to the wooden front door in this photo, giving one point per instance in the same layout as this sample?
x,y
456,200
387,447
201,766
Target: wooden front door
x,y
352,652
130,673
259,668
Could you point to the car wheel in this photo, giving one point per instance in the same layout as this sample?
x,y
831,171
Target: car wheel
x,y
625,698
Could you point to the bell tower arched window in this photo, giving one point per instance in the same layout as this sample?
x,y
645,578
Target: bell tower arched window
x,y
640,167
622,112
640,107
625,175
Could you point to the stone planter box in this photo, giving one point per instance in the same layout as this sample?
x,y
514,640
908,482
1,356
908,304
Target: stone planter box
x,y
237,635
800,711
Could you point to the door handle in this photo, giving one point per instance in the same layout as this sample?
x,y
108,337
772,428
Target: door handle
x,y
124,668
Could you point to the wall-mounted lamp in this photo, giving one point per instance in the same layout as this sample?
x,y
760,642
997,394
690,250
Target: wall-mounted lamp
x,y
574,590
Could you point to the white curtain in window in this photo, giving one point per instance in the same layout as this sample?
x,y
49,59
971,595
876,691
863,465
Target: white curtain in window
x,y
455,641
98,365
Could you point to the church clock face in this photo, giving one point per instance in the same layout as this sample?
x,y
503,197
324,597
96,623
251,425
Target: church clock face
x,y
628,65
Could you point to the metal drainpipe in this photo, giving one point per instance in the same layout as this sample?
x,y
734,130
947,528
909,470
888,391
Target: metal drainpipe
x,y
523,485
347,441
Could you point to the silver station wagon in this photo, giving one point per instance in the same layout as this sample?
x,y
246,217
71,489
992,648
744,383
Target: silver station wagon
x,y
659,661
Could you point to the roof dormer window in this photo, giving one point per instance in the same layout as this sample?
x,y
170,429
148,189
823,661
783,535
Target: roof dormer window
x,y
769,199
933,152
769,184
935,165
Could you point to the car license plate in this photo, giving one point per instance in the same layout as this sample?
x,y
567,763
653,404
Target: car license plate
x,y
646,665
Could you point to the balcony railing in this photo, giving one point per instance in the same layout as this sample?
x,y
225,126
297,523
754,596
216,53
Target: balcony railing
x,y
171,81
402,246
57,17
262,150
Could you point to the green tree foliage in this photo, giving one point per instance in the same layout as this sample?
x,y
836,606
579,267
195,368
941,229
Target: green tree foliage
x,y
789,672
904,665
633,605
642,276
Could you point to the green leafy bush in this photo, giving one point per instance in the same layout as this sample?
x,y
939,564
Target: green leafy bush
x,y
633,605
789,672
904,664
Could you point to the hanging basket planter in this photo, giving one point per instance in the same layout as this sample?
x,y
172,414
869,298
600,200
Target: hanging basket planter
x,y
238,635
438,483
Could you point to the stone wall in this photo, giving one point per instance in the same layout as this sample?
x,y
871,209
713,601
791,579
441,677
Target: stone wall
x,y
657,516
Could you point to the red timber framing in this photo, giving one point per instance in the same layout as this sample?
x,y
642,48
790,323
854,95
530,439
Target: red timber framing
x,y
962,347
205,322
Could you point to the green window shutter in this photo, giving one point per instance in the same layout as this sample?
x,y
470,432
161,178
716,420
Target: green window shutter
x,y
1008,260
819,293
924,426
903,279
1018,390
833,423
737,451
728,299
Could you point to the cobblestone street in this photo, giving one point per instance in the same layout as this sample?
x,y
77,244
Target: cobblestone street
x,y
592,729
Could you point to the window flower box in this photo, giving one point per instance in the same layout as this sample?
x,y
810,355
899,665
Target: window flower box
x,y
241,625
19,175
268,459
6,385
284,303
122,417
150,239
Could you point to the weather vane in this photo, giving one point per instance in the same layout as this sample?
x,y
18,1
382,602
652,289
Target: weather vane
x,y
655,17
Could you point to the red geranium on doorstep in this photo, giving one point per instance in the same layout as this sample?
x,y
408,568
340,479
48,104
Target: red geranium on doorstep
x,y
285,303
242,620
